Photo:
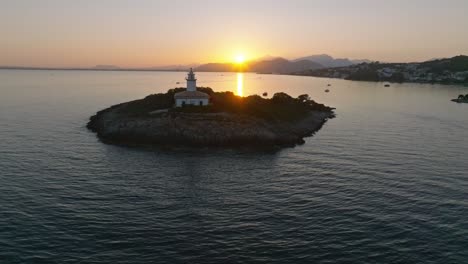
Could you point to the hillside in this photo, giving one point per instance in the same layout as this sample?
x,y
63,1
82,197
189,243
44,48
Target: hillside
x,y
276,65
450,70
329,62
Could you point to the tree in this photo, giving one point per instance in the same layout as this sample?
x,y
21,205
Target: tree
x,y
461,97
281,97
303,97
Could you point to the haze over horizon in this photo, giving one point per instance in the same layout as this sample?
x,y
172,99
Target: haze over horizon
x,y
145,33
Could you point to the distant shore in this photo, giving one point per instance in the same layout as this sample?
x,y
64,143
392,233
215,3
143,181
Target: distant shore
x,y
383,81
443,71
89,69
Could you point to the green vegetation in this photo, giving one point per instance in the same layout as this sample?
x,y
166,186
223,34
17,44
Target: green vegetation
x,y
369,74
455,64
280,107
463,97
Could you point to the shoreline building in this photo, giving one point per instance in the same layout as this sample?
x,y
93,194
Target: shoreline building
x,y
191,96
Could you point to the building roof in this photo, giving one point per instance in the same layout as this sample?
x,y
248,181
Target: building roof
x,y
191,94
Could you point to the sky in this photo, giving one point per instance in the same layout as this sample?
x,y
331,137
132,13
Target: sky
x,y
144,33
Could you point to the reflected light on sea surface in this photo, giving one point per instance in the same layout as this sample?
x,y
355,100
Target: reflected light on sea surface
x,y
240,84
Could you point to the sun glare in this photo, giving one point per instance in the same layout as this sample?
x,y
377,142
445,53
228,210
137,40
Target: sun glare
x,y
240,58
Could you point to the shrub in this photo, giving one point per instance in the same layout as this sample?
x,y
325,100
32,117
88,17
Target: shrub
x,y
280,107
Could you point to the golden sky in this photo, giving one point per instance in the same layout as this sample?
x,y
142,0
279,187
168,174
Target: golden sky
x,y
142,33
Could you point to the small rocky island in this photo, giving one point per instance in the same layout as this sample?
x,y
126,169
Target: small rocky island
x,y
461,99
201,117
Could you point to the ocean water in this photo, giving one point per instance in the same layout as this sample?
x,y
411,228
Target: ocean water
x,y
384,182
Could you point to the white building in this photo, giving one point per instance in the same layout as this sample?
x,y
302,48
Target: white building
x,y
191,96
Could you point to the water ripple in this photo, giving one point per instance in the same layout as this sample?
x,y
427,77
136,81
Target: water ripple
x,y
381,183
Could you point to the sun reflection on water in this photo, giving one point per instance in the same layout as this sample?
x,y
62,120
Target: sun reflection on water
x,y
240,84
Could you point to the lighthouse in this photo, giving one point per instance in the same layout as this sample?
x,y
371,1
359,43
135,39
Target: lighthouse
x,y
191,81
191,96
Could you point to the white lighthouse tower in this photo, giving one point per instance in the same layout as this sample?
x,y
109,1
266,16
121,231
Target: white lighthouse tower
x,y
191,81
191,96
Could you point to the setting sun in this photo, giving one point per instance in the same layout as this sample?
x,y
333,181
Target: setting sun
x,y
240,58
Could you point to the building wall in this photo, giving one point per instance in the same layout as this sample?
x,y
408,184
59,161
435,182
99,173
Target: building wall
x,y
180,102
191,86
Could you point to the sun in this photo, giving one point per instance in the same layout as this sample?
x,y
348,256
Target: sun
x,y
240,58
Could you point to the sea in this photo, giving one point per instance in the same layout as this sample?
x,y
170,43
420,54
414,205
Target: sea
x,y
386,181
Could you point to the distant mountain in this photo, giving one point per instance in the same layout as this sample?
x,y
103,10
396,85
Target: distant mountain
x,y
265,64
106,67
276,65
266,58
281,65
329,62
178,67
216,67
361,61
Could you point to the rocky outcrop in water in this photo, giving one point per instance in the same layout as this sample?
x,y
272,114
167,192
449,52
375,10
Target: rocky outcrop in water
x,y
229,120
203,129
461,99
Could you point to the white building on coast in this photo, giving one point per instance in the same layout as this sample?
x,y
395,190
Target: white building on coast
x,y
191,96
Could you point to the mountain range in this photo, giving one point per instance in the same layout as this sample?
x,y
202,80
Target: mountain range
x,y
329,62
281,65
277,65
266,64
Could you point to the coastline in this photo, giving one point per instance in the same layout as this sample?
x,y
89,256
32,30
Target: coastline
x,y
230,121
460,101
259,73
202,129
380,81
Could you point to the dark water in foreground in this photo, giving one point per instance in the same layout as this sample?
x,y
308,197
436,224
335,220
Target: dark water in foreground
x,y
384,182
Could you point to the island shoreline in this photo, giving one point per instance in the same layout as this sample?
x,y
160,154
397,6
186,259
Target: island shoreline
x,y
202,130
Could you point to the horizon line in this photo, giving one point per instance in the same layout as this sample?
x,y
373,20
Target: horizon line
x,y
182,67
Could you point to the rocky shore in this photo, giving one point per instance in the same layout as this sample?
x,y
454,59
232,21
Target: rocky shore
x,y
203,129
229,120
460,101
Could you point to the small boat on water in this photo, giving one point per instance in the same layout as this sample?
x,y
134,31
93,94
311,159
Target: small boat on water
x,y
177,82
265,94
387,85
327,90
329,85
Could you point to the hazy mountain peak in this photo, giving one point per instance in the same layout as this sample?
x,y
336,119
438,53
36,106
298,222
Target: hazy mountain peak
x,y
267,57
106,67
330,62
269,65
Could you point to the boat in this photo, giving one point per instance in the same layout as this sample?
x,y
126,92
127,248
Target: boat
x,y
387,85
329,85
177,82
265,94
327,90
